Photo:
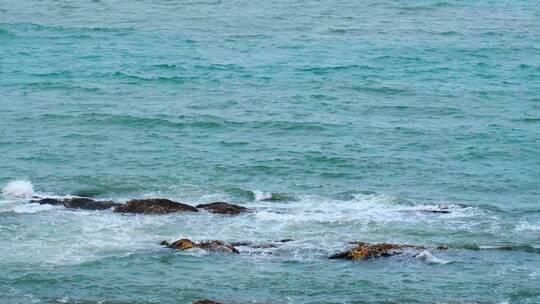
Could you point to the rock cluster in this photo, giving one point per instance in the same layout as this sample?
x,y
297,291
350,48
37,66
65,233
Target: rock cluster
x,y
145,206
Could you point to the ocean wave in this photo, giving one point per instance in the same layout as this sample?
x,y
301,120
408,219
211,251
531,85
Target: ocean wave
x,y
530,248
523,226
169,66
181,121
33,208
364,210
59,85
349,216
324,70
66,29
6,34
428,257
385,90
220,67
528,119
414,8
62,73
138,79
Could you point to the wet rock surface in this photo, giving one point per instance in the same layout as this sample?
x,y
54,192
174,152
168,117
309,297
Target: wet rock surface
x,y
223,208
364,251
206,301
154,206
213,245
78,203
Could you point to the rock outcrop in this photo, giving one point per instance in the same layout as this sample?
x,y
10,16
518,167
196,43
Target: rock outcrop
x,y
213,245
223,208
206,301
154,206
78,203
364,251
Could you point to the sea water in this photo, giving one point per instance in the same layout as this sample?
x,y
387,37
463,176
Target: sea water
x,y
335,121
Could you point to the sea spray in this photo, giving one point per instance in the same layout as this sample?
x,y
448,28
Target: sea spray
x,y
262,195
18,188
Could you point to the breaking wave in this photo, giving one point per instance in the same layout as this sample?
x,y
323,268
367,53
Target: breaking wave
x,y
18,188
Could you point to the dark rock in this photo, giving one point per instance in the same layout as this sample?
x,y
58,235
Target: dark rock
x,y
206,301
48,201
88,204
263,246
435,211
213,245
285,240
217,246
78,203
223,208
153,206
364,251
244,244
442,247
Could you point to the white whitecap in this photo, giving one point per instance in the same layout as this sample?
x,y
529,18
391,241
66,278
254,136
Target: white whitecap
x,y
428,257
524,226
18,188
262,195
32,208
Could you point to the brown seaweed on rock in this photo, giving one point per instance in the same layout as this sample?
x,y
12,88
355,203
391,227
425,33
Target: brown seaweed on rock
x,y
213,245
364,251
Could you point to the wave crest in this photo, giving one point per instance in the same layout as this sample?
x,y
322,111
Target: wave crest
x,y
18,188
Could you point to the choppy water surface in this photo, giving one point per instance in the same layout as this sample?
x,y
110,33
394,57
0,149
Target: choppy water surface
x,y
334,120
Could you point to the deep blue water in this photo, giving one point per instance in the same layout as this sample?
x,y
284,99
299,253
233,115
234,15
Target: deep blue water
x,y
352,115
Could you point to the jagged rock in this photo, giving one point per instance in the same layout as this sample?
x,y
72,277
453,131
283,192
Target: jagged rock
x,y
182,244
206,301
217,246
78,203
245,244
368,251
154,206
442,247
223,208
213,245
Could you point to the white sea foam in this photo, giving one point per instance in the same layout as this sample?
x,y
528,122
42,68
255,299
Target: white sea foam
x,y
32,208
362,208
319,225
18,188
527,226
428,257
262,195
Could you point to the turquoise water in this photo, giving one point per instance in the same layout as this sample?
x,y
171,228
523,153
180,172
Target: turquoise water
x,y
350,115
